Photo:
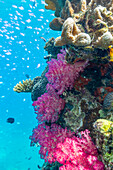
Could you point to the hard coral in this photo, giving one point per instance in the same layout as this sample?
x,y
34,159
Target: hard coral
x,y
56,24
26,86
71,34
51,5
104,141
94,17
55,6
78,153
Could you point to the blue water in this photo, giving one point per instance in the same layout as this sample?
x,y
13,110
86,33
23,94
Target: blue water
x,y
22,23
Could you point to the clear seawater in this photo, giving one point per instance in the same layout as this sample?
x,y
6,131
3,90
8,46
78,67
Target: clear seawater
x,y
22,23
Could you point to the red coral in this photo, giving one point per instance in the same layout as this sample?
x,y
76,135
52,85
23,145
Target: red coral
x,y
78,154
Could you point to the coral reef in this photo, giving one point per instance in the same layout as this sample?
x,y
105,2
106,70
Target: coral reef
x,y
81,110
51,49
75,91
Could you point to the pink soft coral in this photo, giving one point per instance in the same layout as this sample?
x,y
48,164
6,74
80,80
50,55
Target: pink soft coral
x,y
48,137
48,106
78,154
62,75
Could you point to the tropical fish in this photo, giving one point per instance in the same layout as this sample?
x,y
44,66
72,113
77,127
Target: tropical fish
x,y
27,75
10,120
111,53
43,39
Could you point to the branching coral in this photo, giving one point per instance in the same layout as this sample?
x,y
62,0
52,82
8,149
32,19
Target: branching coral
x,y
26,86
78,153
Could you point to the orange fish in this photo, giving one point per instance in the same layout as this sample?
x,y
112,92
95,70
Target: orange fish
x,y
111,53
43,38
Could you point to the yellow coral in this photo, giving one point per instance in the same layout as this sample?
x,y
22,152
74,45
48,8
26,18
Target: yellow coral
x,y
104,126
25,87
51,5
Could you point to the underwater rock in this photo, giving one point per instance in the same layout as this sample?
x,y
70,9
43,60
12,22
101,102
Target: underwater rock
x,y
51,49
40,87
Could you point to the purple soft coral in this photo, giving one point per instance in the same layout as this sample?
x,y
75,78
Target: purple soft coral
x,y
48,137
48,106
62,75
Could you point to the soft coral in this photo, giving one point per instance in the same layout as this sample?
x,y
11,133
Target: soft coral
x,y
78,154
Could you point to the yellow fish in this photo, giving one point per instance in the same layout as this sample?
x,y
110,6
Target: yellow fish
x,y
111,53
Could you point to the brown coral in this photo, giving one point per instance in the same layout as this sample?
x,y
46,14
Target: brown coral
x,y
56,24
71,34
95,20
54,5
51,5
